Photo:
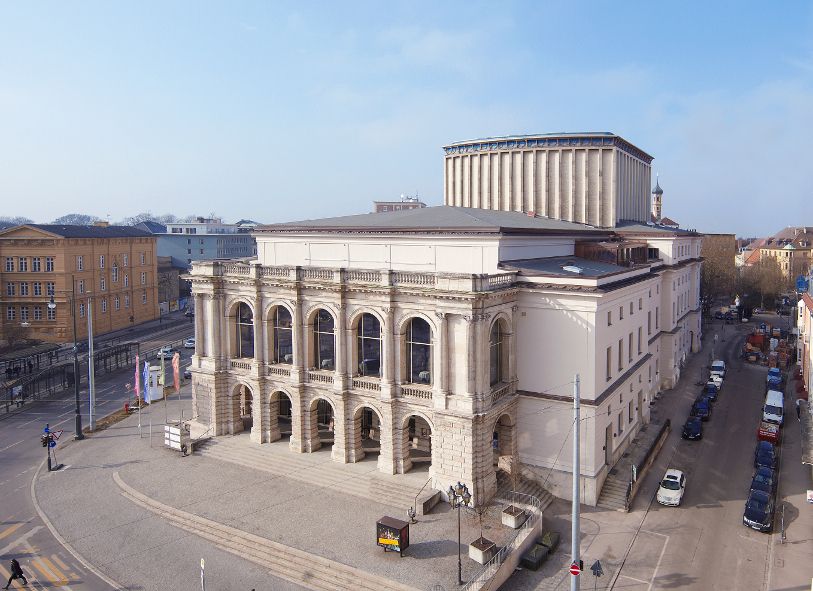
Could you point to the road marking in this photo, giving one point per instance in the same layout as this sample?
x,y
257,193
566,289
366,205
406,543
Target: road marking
x,y
60,423
10,530
634,579
61,564
50,571
12,445
660,558
22,539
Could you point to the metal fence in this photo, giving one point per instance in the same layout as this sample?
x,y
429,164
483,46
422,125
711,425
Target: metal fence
x,y
490,568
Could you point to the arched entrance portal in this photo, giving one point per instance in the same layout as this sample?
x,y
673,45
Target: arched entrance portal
x,y
417,444
502,442
366,435
241,409
321,424
279,419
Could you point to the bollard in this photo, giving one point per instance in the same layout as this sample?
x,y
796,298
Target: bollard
x,y
126,408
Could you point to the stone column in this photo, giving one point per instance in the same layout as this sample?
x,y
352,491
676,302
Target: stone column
x,y
259,332
386,459
310,427
471,357
355,446
389,349
400,445
440,356
340,336
512,345
215,321
341,426
298,418
257,413
298,366
200,326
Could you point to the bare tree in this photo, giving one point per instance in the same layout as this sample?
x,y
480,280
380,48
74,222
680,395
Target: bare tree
x,y
11,221
76,219
15,334
718,275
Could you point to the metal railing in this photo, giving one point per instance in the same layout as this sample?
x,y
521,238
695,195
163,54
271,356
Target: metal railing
x,y
490,568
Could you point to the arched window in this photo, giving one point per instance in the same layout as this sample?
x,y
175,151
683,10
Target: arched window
x,y
369,345
324,340
245,331
283,335
419,352
495,354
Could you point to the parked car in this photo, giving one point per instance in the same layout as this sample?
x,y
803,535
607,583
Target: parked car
x,y
701,410
718,315
670,491
763,480
718,368
717,380
189,313
759,310
189,343
711,390
187,373
692,429
765,455
774,378
768,432
758,512
166,352
705,398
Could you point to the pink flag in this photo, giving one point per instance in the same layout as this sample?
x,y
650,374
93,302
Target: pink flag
x,y
176,363
137,379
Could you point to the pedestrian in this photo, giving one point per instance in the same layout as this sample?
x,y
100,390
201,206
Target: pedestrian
x,y
16,573
799,409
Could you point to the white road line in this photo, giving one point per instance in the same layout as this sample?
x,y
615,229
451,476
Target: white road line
x,y
12,445
660,558
60,423
634,579
22,539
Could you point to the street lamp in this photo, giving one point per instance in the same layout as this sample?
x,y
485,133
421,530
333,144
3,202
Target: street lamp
x,y
459,496
78,421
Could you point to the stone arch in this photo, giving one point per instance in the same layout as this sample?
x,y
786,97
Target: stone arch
x,y
321,422
366,425
240,411
503,440
416,364
280,344
416,447
278,416
370,364
499,370
232,307
321,355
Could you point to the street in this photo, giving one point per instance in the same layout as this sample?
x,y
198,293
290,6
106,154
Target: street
x,y
23,535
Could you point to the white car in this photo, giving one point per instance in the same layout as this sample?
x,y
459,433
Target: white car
x,y
189,343
165,352
718,368
717,380
670,491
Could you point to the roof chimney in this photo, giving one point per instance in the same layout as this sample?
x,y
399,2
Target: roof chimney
x,y
101,223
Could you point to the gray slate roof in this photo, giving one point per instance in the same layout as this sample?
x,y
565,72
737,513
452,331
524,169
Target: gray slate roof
x,y
553,266
639,228
92,231
152,227
438,219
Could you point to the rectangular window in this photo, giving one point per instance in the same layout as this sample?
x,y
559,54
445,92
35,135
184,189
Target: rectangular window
x,y
49,264
37,312
201,251
630,410
81,286
11,288
630,347
620,423
23,265
143,258
657,317
37,288
9,264
124,259
102,284
116,303
104,305
620,354
188,251
10,313
609,318
640,303
49,288
101,261
81,310
188,241
631,310
114,273
80,263
50,314
23,288
143,278
126,280
609,363
640,338
649,322
24,313
36,264
126,300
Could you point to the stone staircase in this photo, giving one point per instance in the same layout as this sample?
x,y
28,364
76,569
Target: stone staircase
x,y
613,494
302,568
360,479
525,485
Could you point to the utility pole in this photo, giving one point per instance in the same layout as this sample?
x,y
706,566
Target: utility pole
x,y
91,368
574,532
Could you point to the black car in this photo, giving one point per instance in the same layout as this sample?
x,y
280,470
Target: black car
x,y
765,455
702,410
692,429
758,512
763,480
711,391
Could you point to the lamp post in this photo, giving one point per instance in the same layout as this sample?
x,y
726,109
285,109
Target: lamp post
x,y
459,496
78,421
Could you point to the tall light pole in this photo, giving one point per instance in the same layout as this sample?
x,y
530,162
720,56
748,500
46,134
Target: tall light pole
x,y
78,419
91,368
575,529
459,496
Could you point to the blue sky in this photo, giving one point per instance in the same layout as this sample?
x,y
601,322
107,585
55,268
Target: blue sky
x,y
283,111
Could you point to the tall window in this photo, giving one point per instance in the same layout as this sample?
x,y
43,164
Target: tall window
x,y
283,336
23,288
630,347
419,352
245,331
50,314
369,345
101,261
49,264
10,313
37,288
126,300
126,280
81,310
23,265
144,296
11,288
114,273
124,260
102,283
49,288
9,264
495,354
104,305
24,313
37,312
143,278
640,338
80,263
143,259
609,363
81,286
620,354
324,341
117,303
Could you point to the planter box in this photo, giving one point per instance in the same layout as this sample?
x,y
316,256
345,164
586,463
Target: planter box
x,y
534,557
482,550
513,516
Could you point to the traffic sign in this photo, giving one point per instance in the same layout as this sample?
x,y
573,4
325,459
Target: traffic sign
x,y
52,444
575,570
596,568
56,434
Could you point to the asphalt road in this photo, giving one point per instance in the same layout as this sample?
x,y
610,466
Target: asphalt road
x,y
703,545
22,534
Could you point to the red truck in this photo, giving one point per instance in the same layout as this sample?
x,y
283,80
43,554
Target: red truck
x,y
768,432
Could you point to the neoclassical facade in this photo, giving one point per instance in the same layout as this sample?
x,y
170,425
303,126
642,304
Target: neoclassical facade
x,y
445,336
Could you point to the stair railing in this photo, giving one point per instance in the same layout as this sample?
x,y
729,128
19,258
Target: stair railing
x,y
413,510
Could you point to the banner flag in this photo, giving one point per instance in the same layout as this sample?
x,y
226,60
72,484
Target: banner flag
x,y
176,369
137,378
146,382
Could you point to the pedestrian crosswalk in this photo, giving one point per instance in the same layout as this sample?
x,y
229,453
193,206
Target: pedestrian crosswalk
x,y
43,570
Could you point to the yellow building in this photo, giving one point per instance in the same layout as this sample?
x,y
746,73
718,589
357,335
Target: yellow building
x,y
111,270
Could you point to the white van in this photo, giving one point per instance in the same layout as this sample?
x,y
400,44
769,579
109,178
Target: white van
x,y
774,407
718,368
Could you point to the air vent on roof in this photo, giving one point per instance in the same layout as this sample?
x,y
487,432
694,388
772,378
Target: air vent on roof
x,y
572,269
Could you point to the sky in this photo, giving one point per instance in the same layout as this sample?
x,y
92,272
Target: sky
x,y
280,111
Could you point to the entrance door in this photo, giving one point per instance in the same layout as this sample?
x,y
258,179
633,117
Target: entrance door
x,y
640,406
608,445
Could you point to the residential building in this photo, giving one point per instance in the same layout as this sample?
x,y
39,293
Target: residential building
x,y
170,285
407,202
792,248
109,270
204,239
451,335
